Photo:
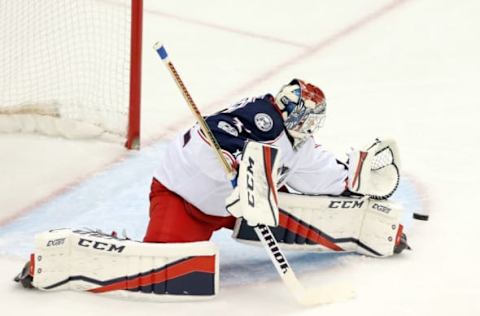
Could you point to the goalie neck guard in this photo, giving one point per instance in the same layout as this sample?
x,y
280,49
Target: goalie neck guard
x,y
303,109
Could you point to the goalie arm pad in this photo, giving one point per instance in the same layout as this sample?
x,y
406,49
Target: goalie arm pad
x,y
255,196
333,224
90,261
375,171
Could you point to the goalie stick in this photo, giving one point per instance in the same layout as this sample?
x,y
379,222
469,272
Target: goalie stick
x,y
305,296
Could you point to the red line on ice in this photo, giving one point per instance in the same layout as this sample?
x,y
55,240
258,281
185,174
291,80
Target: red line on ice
x,y
332,39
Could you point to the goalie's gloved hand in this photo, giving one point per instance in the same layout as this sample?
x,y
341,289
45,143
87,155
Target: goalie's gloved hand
x,y
255,197
374,171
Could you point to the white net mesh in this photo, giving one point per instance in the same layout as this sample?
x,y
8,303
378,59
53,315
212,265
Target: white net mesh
x,y
382,159
71,54
385,176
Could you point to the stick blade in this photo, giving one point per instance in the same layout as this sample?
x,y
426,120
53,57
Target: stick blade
x,y
325,295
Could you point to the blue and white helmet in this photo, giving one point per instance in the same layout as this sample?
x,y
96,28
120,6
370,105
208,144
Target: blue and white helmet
x,y
303,108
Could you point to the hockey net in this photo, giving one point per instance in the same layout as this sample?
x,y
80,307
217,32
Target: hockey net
x,y
71,68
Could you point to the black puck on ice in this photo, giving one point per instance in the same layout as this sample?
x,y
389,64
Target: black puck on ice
x,y
420,217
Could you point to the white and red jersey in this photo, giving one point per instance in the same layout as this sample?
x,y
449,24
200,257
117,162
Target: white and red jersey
x,y
190,168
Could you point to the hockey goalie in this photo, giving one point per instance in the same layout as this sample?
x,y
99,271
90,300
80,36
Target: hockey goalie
x,y
314,202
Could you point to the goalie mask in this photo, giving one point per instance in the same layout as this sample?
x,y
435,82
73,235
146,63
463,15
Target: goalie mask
x,y
303,108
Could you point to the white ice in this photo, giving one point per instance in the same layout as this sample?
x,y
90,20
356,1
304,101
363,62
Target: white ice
x,y
406,69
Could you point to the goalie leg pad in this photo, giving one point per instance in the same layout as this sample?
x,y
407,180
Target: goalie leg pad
x,y
90,261
338,224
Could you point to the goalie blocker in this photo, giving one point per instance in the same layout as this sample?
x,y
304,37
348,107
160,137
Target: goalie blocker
x,y
334,224
91,261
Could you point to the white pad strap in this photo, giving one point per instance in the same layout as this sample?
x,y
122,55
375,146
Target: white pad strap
x,y
82,260
324,223
255,197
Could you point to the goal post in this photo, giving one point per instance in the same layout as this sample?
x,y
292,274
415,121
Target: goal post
x,y
72,68
133,134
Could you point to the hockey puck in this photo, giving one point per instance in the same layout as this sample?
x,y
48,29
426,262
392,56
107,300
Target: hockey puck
x,y
420,217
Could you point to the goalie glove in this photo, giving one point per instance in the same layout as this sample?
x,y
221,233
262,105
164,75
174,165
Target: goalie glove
x,y
255,196
375,171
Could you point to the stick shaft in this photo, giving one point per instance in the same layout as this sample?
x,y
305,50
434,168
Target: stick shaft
x,y
194,109
279,260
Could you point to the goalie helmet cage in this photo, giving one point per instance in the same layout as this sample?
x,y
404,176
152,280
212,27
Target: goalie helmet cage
x,y
77,61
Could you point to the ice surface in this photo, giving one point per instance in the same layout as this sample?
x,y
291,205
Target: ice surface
x,y
405,69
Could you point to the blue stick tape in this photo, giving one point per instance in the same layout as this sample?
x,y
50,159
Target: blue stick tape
x,y
162,52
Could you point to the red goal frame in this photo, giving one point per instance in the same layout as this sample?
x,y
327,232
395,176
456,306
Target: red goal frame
x,y
133,132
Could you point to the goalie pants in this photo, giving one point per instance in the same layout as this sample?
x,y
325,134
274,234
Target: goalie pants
x,y
172,219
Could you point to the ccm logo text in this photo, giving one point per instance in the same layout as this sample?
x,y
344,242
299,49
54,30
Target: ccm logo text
x,y
346,204
100,245
250,183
